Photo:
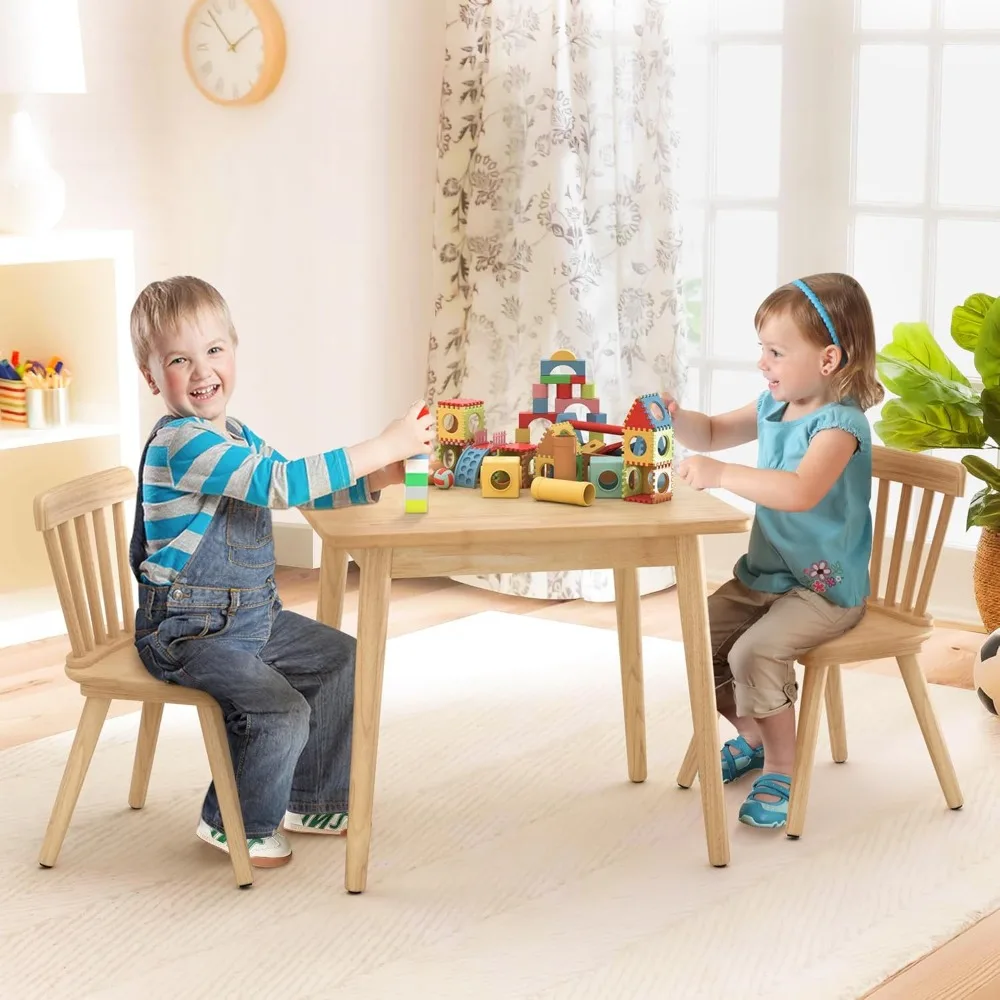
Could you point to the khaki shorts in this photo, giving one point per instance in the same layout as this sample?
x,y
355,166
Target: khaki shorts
x,y
756,639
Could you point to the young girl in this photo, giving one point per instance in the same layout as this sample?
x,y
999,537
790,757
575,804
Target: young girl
x,y
805,579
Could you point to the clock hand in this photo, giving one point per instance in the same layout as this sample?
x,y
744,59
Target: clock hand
x,y
232,47
221,32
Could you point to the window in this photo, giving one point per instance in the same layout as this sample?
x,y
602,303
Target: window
x,y
834,136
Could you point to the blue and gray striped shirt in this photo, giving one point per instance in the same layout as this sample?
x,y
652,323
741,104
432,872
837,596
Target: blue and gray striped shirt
x,y
191,465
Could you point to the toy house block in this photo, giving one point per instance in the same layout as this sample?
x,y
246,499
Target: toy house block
x,y
564,391
459,420
588,391
605,472
449,454
500,476
648,432
556,454
648,483
522,435
539,391
575,365
525,453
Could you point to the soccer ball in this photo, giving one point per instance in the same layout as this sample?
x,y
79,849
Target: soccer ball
x,y
986,673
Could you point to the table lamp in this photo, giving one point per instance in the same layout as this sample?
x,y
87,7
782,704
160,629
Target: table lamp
x,y
40,53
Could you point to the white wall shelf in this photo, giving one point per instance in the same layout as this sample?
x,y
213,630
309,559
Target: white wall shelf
x,y
67,294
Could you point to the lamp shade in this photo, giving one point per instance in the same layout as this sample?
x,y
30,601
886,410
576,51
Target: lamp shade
x,y
41,51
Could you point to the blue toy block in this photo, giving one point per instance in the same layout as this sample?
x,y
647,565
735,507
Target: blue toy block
x,y
539,406
578,367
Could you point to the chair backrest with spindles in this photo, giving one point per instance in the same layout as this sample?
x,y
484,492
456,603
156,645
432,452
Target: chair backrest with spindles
x,y
904,588
90,564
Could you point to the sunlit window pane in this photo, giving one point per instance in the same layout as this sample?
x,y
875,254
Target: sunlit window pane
x,y
746,268
970,142
968,261
892,123
888,261
749,134
692,268
895,14
970,13
750,15
691,111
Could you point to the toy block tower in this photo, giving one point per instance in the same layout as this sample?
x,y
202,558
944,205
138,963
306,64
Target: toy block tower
x,y
416,488
562,387
647,451
458,423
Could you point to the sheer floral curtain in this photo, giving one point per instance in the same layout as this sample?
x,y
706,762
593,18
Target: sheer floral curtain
x,y
556,218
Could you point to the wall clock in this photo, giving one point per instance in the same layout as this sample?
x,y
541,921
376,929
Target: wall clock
x,y
234,50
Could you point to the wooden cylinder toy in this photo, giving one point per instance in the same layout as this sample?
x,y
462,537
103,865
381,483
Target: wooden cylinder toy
x,y
562,491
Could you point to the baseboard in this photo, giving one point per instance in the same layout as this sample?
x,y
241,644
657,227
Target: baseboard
x,y
952,601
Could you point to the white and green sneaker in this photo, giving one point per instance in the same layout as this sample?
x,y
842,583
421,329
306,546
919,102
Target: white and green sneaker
x,y
265,852
329,823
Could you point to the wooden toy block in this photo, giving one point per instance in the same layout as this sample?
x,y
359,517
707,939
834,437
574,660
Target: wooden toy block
x,y
564,390
539,391
589,391
605,472
501,476
591,406
557,379
522,435
527,417
561,491
578,379
540,406
574,364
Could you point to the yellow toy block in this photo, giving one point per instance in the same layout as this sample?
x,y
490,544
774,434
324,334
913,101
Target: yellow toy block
x,y
416,506
501,476
522,435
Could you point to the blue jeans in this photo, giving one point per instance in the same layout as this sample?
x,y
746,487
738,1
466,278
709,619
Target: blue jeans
x,y
286,687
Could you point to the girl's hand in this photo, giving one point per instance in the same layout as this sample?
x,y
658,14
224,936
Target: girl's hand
x,y
701,472
390,475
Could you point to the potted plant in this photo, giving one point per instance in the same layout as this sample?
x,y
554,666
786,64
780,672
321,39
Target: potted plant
x,y
937,407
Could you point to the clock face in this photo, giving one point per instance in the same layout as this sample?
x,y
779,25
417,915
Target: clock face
x,y
226,49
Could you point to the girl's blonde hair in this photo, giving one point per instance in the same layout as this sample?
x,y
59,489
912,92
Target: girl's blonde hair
x,y
162,306
851,313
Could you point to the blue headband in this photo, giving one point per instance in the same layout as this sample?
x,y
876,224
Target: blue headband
x,y
821,309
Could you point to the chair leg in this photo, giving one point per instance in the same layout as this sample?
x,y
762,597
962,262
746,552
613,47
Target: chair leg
x,y
813,687
145,749
213,729
689,767
916,688
88,731
835,714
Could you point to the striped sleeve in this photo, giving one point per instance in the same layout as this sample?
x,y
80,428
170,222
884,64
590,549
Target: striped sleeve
x,y
199,459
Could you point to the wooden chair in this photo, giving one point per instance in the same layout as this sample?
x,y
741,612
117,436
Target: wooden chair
x,y
74,520
894,625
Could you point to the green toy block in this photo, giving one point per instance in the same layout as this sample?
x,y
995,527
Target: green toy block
x,y
417,479
556,380
589,391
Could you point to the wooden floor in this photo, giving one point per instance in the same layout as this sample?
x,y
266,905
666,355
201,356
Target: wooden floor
x,y
37,700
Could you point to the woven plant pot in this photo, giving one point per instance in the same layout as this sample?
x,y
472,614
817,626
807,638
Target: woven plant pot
x,y
986,578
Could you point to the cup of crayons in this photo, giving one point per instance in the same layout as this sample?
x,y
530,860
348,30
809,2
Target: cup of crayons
x,y
34,394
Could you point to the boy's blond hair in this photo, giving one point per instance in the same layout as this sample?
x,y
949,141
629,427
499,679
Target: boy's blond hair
x,y
162,306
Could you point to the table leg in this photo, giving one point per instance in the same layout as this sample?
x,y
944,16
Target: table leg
x,y
332,584
630,656
373,613
701,688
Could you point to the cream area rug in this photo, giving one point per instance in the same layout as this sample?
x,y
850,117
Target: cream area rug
x,y
511,857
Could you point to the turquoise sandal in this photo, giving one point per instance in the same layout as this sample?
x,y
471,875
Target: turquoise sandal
x,y
739,758
771,815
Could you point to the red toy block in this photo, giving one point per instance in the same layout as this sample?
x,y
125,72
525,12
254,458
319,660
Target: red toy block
x,y
564,391
578,379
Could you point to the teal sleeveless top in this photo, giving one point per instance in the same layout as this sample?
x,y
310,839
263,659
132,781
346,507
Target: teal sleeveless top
x,y
826,549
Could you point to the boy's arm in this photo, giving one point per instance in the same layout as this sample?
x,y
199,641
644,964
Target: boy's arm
x,y
196,458
825,459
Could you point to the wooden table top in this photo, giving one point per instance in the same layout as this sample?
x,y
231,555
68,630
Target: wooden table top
x,y
460,515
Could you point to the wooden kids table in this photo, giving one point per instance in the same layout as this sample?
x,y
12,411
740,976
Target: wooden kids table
x,y
465,534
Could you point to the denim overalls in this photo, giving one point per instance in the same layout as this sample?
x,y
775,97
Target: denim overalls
x,y
285,682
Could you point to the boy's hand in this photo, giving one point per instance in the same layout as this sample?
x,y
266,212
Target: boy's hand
x,y
701,472
409,435
390,475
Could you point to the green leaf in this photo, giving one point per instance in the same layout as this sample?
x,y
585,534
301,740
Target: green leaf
x,y
987,356
915,426
914,342
981,469
984,510
967,318
917,383
990,402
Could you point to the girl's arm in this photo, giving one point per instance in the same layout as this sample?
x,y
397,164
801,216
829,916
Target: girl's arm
x,y
825,459
700,432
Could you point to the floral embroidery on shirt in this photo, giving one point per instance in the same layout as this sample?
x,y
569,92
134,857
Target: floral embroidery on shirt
x,y
822,576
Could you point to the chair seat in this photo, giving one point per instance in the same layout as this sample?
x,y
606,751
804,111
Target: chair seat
x,y
121,674
879,634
